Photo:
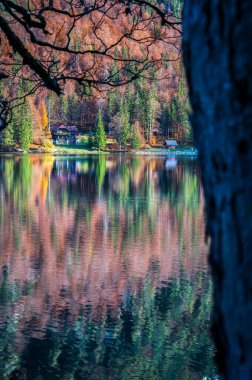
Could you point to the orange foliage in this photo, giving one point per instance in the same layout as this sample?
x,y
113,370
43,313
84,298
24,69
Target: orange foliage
x,y
44,118
90,65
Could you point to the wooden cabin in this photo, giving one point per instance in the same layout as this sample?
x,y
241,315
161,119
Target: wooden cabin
x,y
64,134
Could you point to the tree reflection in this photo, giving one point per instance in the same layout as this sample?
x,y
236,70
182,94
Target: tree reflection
x,y
104,271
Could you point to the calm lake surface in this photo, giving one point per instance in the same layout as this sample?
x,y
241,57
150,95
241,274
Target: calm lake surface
x,y
103,269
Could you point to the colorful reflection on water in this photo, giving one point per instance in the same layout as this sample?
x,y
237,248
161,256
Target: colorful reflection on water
x,y
103,269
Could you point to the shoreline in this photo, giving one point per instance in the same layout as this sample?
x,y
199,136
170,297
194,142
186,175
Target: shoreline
x,y
169,153
78,151
178,154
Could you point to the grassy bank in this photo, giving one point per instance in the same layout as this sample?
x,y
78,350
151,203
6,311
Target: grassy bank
x,y
84,150
66,149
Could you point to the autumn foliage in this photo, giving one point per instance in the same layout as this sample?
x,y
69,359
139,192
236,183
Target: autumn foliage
x,y
83,52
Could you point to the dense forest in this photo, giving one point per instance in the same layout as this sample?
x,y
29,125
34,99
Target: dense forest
x,y
147,110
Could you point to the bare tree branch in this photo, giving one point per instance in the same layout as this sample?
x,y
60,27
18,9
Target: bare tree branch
x,y
53,53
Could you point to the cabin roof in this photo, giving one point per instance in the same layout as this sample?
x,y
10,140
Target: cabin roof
x,y
69,128
171,142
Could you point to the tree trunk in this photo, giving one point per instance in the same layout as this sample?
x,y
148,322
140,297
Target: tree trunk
x,y
217,49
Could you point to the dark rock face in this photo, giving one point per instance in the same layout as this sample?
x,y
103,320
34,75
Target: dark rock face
x,y
218,57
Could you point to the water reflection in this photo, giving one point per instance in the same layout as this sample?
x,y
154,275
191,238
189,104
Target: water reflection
x,y
103,269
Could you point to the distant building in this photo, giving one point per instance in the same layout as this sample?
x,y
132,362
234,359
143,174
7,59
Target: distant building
x,y
64,134
171,144
64,129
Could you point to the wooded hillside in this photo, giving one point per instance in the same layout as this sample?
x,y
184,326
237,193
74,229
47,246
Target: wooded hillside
x,y
116,59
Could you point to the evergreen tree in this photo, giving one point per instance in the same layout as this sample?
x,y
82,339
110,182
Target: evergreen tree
x,y
135,107
114,72
63,108
153,111
72,109
23,127
149,111
172,112
113,97
176,6
8,140
164,119
135,137
125,52
144,109
128,99
124,121
100,136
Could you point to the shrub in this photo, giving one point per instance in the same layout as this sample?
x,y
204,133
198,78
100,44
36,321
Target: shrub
x,y
91,140
146,146
83,140
47,146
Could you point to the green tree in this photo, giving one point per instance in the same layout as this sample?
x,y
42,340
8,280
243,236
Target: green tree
x,y
149,110
72,109
23,127
114,72
171,114
135,137
113,105
63,108
125,125
8,140
135,107
100,136
153,111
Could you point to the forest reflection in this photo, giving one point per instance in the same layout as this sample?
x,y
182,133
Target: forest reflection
x,y
103,269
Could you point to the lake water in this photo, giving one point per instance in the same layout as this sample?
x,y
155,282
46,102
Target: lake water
x,y
103,269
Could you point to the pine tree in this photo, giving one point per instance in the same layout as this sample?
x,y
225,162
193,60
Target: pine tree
x,y
176,6
125,52
114,72
23,127
164,118
72,109
144,110
124,121
172,113
113,97
150,112
100,136
63,108
135,137
183,110
8,140
135,107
